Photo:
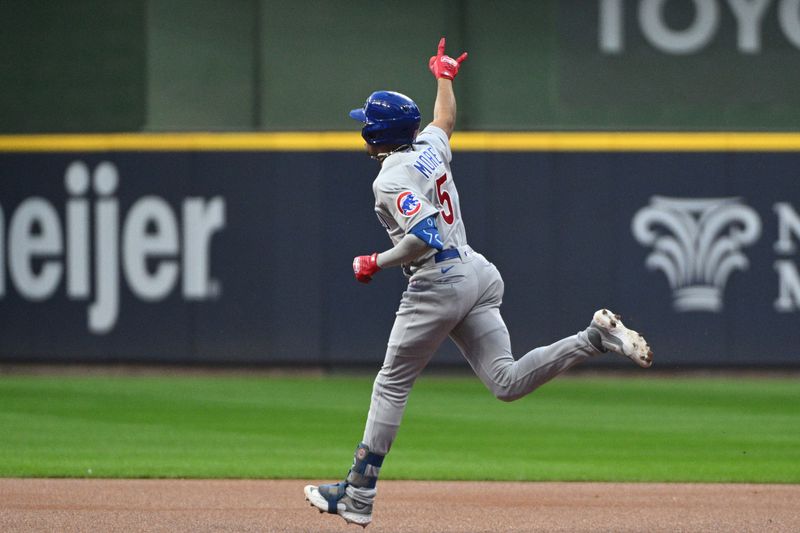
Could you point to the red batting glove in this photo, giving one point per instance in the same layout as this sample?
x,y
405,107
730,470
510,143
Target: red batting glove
x,y
444,66
364,266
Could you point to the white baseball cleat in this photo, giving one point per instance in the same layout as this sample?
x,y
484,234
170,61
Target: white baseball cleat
x,y
333,499
616,337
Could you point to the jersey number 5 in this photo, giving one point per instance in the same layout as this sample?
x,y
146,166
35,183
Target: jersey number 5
x,y
444,200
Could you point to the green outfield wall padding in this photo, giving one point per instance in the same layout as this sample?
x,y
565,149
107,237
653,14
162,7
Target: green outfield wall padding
x,y
271,65
200,68
71,66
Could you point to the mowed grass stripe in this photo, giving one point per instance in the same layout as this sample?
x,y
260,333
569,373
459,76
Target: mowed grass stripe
x,y
602,429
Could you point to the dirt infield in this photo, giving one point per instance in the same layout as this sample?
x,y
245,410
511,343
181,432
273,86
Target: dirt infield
x,y
232,505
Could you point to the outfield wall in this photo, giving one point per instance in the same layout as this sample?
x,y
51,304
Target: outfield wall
x,y
275,65
238,249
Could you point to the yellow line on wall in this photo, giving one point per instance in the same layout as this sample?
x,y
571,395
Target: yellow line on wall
x,y
148,142
627,142
351,141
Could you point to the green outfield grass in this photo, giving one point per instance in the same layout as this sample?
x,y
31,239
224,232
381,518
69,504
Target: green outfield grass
x,y
605,429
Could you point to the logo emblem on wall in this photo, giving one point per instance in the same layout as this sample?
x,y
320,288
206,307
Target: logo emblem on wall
x,y
697,244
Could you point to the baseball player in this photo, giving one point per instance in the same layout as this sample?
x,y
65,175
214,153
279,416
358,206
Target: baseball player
x,y
452,291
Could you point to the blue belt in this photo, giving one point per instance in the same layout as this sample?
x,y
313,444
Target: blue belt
x,y
444,255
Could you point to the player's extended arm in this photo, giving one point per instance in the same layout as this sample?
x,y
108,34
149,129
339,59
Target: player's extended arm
x,y
445,69
409,248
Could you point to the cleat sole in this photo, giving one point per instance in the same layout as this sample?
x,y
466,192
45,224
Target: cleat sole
x,y
618,338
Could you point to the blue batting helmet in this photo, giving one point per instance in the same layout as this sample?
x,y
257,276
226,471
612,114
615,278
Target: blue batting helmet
x,y
389,118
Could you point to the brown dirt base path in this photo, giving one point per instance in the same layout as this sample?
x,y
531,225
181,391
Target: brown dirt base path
x,y
232,505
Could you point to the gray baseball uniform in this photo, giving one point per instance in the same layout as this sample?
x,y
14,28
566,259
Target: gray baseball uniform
x,y
452,291
455,293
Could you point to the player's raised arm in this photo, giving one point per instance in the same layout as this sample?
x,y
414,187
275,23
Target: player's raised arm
x,y
445,69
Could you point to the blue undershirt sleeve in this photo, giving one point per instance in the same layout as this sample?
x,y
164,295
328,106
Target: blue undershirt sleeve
x,y
427,232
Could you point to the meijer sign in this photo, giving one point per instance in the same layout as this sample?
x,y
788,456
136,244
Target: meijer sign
x,y
151,245
123,256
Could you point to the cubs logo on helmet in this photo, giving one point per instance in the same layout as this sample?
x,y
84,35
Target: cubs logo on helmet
x,y
407,204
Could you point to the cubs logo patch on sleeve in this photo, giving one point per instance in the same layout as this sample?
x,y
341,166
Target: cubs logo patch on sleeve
x,y
407,204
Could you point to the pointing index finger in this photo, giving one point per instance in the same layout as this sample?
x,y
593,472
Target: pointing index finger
x,y
441,46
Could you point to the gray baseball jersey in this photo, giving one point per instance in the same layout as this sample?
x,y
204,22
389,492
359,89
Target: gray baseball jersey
x,y
416,184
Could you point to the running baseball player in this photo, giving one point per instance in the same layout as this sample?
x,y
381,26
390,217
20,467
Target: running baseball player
x,y
453,290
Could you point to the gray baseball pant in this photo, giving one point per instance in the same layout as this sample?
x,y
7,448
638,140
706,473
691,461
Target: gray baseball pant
x,y
462,302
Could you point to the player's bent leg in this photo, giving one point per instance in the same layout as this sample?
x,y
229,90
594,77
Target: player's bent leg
x,y
484,341
607,331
